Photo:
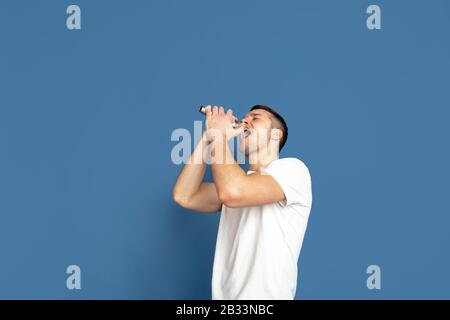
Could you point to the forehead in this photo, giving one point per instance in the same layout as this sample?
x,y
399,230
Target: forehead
x,y
258,112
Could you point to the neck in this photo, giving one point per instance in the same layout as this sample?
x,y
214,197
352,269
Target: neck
x,y
261,159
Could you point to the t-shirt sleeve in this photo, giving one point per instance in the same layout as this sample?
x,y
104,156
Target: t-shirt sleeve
x,y
294,179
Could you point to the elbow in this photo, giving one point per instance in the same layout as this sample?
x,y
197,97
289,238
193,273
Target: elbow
x,y
179,199
230,197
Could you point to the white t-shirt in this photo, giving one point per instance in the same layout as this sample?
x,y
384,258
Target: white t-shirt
x,y
258,247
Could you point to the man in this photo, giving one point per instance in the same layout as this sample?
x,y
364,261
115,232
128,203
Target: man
x,y
264,211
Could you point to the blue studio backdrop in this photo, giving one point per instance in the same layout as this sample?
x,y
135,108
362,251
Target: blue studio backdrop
x,y
86,117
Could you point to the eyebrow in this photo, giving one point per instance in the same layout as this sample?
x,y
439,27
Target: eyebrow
x,y
254,114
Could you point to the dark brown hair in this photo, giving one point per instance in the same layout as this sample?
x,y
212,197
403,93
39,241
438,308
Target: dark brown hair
x,y
277,122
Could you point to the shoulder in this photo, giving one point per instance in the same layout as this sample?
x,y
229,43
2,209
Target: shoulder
x,y
290,168
289,163
293,177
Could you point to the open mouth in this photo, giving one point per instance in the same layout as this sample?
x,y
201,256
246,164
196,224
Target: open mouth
x,y
246,132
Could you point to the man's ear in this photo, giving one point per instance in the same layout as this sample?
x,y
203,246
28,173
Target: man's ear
x,y
276,134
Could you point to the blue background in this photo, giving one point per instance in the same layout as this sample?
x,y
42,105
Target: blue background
x,y
86,118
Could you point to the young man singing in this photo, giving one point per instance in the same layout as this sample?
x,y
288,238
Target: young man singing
x,y
264,212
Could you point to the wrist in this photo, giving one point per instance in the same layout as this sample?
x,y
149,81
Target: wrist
x,y
215,135
206,139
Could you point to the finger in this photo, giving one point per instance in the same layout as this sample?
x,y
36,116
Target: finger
x,y
230,113
221,110
239,130
240,127
215,110
208,111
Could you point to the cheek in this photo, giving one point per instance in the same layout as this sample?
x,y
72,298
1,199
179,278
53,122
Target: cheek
x,y
261,125
263,129
262,136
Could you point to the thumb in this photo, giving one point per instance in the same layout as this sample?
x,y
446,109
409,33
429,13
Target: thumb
x,y
231,133
240,129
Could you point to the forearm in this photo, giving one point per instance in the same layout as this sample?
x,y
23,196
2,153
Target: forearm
x,y
227,174
191,177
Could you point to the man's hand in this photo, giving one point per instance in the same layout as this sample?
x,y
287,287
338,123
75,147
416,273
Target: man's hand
x,y
220,124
